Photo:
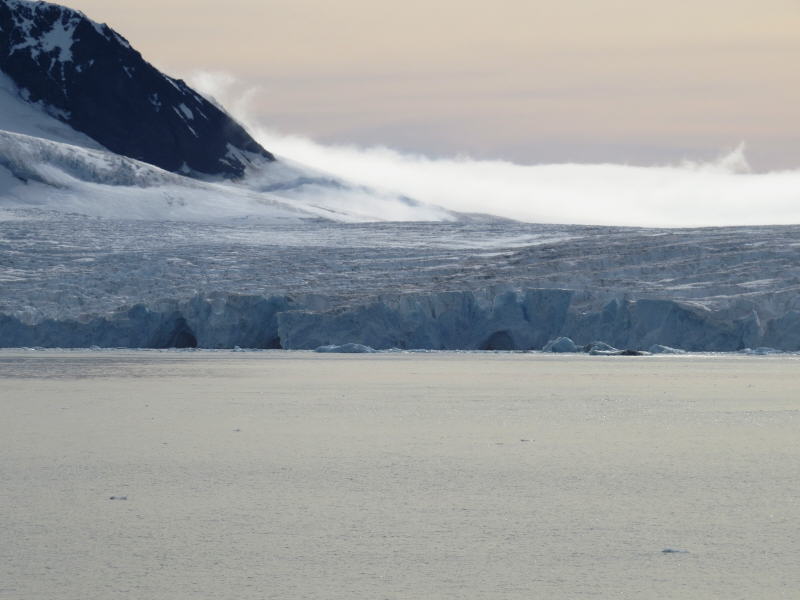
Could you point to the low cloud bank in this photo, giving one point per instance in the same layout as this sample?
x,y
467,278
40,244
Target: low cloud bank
x,y
717,193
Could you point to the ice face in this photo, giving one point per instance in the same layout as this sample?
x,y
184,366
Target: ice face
x,y
474,320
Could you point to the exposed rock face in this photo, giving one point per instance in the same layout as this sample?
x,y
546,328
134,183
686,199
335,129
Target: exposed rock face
x,y
88,76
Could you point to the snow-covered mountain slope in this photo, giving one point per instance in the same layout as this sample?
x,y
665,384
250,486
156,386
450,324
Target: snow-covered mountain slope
x,y
69,178
88,76
19,116
56,176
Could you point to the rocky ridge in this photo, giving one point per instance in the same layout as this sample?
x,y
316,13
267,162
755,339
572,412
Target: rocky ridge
x,y
88,76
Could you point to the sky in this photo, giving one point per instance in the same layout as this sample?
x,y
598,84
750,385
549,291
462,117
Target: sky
x,y
633,82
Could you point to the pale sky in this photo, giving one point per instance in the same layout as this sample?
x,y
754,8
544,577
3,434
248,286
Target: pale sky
x,y
532,81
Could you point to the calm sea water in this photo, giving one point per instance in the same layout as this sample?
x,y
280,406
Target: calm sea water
x,y
466,476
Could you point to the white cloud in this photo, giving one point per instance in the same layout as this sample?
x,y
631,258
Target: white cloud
x,y
723,192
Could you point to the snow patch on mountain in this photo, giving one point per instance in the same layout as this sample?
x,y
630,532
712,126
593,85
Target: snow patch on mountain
x,y
60,36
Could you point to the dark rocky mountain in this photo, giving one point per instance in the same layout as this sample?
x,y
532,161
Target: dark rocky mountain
x,y
89,76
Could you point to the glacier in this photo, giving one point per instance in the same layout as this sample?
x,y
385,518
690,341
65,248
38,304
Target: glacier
x,y
69,281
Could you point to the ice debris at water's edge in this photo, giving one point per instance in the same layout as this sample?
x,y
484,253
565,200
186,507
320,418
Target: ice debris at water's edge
x,y
526,319
345,349
560,345
660,349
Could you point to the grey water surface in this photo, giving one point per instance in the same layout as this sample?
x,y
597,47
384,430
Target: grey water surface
x,y
177,475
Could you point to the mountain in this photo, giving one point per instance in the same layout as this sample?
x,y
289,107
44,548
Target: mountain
x,y
88,127
89,77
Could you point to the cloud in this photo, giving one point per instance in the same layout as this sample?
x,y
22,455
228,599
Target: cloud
x,y
717,193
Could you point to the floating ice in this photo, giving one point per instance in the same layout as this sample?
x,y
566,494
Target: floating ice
x,y
345,349
660,349
560,344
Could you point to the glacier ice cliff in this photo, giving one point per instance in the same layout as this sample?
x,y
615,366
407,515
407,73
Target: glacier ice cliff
x,y
221,321
469,320
524,320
